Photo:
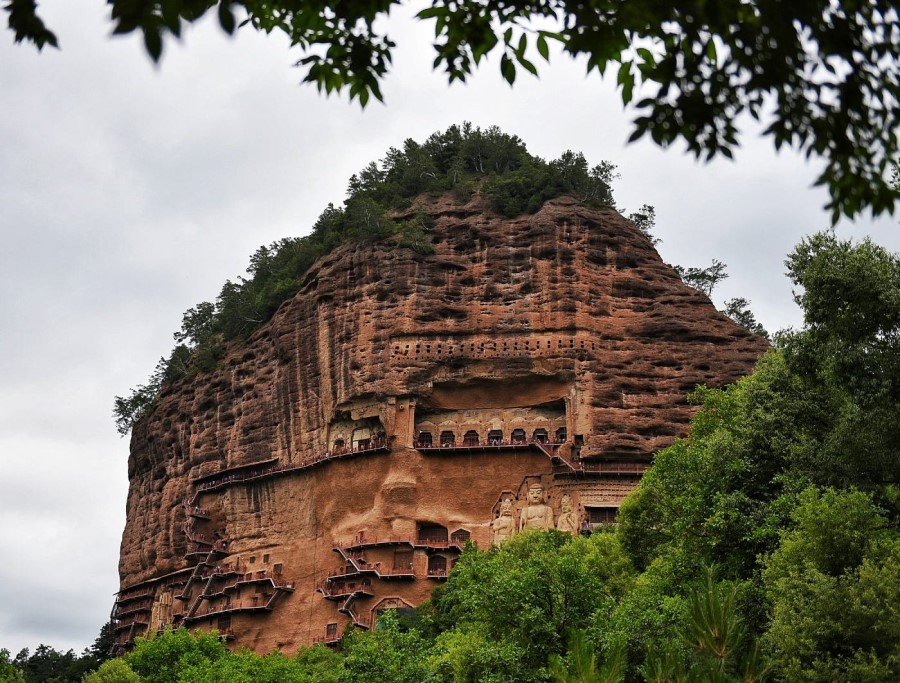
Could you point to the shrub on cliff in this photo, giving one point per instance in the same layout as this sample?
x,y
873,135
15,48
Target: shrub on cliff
x,y
113,671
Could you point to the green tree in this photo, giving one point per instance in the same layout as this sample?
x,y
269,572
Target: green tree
x,y
834,591
689,70
197,324
738,309
581,666
102,646
850,347
703,279
127,410
723,647
820,409
248,667
389,654
164,658
467,654
645,220
9,672
532,591
49,665
113,671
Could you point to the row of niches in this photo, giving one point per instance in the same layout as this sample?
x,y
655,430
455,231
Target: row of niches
x,y
494,437
537,345
491,426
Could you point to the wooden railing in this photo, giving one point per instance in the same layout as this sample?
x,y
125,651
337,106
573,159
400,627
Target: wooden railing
x,y
367,567
552,449
212,483
414,542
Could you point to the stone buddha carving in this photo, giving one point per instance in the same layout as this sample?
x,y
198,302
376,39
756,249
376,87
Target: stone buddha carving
x,y
568,518
504,526
536,514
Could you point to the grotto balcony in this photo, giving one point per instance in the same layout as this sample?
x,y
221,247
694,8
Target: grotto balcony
x,y
268,469
359,563
129,596
361,543
340,591
120,610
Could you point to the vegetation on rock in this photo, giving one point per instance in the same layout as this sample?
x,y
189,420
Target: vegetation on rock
x,y
379,207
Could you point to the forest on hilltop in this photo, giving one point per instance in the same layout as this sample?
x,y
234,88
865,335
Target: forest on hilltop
x,y
461,161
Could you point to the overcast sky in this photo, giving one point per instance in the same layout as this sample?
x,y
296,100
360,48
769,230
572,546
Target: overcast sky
x,y
129,193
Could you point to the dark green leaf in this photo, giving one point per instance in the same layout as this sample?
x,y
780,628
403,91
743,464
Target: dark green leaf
x,y
153,43
542,48
226,17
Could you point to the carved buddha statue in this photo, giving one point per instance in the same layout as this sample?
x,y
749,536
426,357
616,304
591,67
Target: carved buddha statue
x,y
537,514
568,518
504,526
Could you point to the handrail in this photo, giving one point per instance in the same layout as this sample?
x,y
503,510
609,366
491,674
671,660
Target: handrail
x,y
414,542
552,449
213,484
126,597
145,606
481,445
363,566
342,590
213,610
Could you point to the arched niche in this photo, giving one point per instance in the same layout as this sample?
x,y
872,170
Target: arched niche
x,y
460,536
437,565
431,532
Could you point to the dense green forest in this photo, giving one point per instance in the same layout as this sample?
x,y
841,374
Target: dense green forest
x,y
764,546
49,665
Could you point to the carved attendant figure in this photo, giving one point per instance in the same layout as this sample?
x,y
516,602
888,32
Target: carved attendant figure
x,y
537,514
568,518
504,526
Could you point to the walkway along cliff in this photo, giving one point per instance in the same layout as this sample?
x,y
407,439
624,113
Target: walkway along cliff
x,y
400,405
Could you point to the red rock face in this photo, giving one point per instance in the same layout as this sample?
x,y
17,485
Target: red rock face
x,y
336,463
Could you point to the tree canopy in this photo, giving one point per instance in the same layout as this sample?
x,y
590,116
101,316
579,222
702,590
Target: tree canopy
x,y
822,76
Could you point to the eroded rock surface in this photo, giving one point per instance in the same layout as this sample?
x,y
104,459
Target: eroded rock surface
x,y
338,460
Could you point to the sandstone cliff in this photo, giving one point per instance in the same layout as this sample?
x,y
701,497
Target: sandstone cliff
x,y
336,462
